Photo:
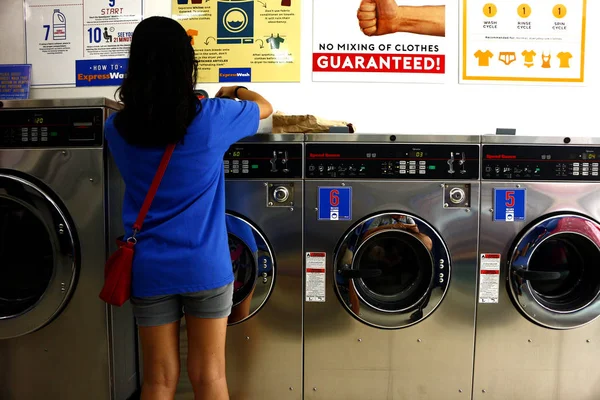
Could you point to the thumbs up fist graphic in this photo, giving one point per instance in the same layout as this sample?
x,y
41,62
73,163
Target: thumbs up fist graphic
x,y
378,17
382,17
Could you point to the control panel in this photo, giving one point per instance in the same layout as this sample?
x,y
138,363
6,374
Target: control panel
x,y
540,162
263,161
392,161
51,128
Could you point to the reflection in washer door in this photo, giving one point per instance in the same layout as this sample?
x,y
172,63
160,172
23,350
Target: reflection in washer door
x,y
555,277
392,270
253,269
27,258
37,257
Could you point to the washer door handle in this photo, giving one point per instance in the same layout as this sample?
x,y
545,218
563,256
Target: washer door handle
x,y
539,275
349,273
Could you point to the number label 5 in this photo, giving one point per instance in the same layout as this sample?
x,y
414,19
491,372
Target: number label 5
x,y
510,198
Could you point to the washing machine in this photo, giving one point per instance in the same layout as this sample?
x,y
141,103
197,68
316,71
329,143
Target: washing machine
x,y
390,239
537,326
58,340
264,202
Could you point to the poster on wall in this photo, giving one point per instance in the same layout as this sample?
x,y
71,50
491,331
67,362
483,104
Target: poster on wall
x,y
79,43
384,41
523,42
243,40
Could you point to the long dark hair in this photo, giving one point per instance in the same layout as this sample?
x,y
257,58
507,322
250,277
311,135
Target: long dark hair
x,y
158,91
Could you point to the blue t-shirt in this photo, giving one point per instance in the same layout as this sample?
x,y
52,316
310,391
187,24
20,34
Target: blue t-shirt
x,y
183,246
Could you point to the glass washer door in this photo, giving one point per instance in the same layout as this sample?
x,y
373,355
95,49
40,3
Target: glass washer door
x,y
37,257
554,276
253,268
391,270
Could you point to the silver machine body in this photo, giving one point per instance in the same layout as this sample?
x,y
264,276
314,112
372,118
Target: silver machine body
x,y
264,203
390,277
58,340
537,327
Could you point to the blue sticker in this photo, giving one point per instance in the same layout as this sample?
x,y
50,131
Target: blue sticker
x,y
235,74
15,81
335,203
100,72
509,205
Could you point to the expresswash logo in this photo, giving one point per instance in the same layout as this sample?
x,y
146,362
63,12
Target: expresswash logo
x,y
235,74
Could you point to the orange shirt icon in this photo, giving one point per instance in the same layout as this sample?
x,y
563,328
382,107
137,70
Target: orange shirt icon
x,y
529,55
484,57
192,33
564,59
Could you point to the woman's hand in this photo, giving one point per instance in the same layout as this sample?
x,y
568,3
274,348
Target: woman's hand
x,y
227,91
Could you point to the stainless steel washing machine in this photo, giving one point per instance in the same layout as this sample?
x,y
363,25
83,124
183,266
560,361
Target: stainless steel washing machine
x,y
537,327
264,201
390,266
58,340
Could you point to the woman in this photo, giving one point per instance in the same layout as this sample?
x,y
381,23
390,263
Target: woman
x,y
182,259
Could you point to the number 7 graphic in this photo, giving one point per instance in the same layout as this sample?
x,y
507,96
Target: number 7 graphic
x,y
509,196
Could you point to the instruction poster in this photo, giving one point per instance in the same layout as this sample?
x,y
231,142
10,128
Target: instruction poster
x,y
243,40
520,41
59,34
379,41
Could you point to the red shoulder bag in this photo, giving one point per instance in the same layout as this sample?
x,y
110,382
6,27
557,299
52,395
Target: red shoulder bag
x,y
117,270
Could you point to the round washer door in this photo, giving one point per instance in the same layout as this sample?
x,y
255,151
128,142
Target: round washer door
x,y
37,257
392,270
554,275
253,268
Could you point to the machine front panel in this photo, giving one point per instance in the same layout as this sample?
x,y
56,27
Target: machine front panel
x,y
39,128
392,161
263,161
534,163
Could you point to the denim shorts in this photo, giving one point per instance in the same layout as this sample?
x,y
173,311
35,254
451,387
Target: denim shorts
x,y
162,310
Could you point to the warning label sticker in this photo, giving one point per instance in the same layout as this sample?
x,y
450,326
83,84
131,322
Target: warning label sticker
x,y
315,277
489,278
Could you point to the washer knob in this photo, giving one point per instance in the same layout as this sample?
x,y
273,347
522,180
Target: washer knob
x,y
457,195
281,194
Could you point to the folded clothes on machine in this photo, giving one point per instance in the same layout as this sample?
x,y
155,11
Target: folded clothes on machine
x,y
283,123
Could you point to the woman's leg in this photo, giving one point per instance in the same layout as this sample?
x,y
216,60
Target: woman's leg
x,y
206,319
160,351
206,357
158,319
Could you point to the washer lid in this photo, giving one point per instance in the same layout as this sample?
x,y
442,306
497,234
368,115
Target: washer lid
x,y
37,257
253,268
391,270
554,274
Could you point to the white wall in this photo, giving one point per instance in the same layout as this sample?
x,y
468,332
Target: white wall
x,y
399,108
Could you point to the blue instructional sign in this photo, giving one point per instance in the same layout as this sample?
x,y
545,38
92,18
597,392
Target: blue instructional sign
x,y
509,205
15,81
335,203
100,72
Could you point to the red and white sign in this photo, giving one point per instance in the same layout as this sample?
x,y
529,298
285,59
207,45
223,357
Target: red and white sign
x,y
384,41
489,278
315,276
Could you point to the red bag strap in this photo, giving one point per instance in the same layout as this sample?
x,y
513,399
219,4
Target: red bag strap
x,y
137,226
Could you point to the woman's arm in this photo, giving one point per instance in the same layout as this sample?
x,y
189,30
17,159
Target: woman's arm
x,y
266,109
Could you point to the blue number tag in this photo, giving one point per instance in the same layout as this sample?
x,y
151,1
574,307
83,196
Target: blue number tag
x,y
335,204
509,204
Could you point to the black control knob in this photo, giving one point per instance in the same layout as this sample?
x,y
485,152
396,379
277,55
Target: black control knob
x,y
274,162
451,164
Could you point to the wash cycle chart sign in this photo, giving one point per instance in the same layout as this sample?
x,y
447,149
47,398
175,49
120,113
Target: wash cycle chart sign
x,y
384,41
79,42
523,41
243,40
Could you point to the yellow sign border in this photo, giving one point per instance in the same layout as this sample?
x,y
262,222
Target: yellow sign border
x,y
465,77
